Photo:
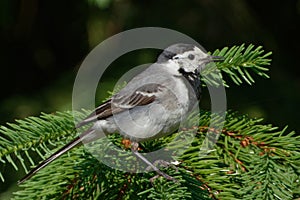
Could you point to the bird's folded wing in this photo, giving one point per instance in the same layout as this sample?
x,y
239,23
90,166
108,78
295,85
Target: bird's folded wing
x,y
144,95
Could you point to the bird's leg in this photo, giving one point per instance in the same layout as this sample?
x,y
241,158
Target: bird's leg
x,y
134,148
164,164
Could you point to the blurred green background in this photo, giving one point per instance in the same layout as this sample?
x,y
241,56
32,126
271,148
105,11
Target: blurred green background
x,y
44,42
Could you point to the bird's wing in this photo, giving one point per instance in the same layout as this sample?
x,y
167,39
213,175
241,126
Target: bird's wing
x,y
123,101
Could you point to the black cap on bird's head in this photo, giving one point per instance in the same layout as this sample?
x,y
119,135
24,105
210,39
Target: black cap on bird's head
x,y
174,50
189,56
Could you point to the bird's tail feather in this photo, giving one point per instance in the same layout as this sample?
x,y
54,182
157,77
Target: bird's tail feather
x,y
57,154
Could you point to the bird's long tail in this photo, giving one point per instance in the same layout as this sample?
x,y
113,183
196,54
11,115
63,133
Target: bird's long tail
x,y
77,141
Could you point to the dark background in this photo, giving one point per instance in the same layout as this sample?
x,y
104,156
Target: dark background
x,y
44,42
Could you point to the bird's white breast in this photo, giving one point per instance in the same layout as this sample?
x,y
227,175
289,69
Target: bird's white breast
x,y
180,89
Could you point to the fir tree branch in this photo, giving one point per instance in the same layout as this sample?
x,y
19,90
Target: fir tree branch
x,y
34,136
233,170
239,62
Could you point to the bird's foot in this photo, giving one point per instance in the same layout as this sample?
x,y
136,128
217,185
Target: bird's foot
x,y
134,148
164,164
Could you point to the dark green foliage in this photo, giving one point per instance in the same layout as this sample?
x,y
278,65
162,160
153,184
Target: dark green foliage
x,y
34,135
239,62
247,157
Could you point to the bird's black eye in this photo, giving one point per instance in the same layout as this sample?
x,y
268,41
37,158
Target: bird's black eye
x,y
175,57
191,56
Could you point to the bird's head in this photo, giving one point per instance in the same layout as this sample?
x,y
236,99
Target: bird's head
x,y
188,57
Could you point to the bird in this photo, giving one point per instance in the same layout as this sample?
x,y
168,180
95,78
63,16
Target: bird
x,y
150,106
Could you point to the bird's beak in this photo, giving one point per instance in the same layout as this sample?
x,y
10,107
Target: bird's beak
x,y
215,58
207,60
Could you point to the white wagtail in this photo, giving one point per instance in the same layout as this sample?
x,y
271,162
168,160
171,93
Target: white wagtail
x,y
150,106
